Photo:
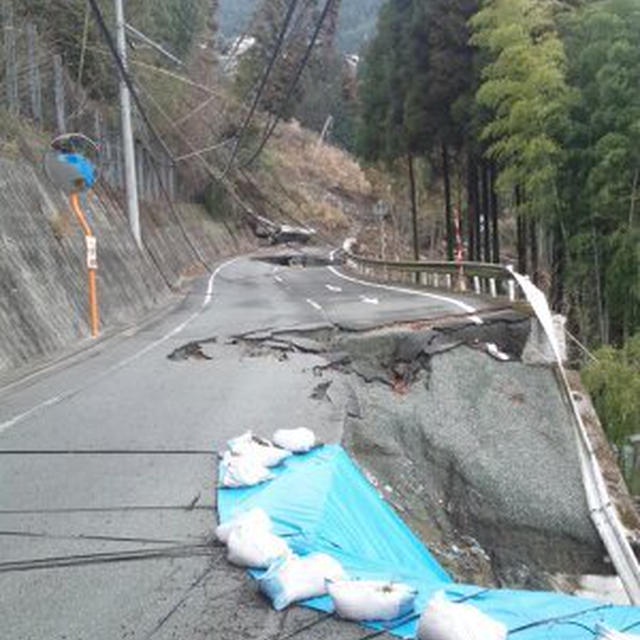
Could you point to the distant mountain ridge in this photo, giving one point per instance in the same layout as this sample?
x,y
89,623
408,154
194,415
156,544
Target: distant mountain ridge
x,y
357,20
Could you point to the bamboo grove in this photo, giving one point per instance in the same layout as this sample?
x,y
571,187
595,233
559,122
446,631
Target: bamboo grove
x,y
534,107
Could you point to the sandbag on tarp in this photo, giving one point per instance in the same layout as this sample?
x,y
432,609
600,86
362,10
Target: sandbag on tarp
x,y
607,634
321,502
539,615
446,620
366,600
336,510
291,579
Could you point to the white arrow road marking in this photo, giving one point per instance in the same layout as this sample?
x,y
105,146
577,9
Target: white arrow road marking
x,y
334,289
461,305
314,304
369,300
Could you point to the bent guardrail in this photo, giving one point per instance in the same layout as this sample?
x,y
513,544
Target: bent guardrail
x,y
497,280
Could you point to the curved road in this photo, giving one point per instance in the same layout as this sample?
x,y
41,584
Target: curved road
x,y
107,459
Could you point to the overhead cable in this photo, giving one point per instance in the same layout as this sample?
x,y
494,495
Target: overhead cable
x,y
292,85
272,60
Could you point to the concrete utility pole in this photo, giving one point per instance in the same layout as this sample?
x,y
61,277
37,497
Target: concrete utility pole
x,y
131,185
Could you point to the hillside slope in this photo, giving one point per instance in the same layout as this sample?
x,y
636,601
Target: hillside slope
x,y
357,20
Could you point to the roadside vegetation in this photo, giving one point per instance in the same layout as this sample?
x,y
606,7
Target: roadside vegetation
x,y
533,107
613,380
529,112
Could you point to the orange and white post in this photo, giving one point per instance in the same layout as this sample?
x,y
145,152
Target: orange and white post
x,y
459,252
92,264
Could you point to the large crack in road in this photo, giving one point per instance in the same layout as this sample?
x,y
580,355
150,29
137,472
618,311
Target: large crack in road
x,y
475,453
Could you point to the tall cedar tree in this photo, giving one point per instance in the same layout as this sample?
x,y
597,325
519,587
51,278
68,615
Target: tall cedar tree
x,y
385,80
419,79
439,104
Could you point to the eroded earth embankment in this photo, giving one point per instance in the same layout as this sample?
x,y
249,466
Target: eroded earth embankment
x,y
478,455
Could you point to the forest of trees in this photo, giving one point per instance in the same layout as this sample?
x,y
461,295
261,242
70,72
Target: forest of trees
x,y
69,26
534,107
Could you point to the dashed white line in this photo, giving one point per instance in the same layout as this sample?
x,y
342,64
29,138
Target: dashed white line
x,y
314,304
123,363
278,279
334,289
367,300
467,308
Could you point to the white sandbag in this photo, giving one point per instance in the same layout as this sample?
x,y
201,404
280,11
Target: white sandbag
x,y
294,578
445,620
255,548
609,634
255,518
295,440
494,352
259,448
242,471
371,600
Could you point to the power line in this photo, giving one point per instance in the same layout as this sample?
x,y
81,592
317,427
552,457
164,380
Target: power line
x,y
127,79
125,74
199,155
274,56
303,63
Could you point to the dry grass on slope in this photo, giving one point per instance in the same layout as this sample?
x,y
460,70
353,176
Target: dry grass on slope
x,y
319,185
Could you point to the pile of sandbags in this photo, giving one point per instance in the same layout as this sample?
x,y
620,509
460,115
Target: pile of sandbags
x,y
249,457
290,578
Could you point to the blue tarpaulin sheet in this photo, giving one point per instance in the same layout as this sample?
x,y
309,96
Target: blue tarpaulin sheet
x,y
320,501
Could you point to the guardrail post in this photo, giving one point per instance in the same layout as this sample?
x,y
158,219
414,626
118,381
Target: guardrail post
x,y
424,278
436,280
512,290
448,280
492,288
476,284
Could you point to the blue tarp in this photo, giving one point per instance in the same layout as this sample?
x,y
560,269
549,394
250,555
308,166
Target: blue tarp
x,y
320,501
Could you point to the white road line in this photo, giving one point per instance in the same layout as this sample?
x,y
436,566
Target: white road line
x,y
334,289
278,279
467,308
314,304
54,400
369,300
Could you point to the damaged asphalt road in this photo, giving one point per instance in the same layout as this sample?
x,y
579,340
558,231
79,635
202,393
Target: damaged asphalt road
x,y
277,347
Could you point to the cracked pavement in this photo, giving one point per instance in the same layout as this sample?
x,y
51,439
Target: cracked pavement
x,y
107,499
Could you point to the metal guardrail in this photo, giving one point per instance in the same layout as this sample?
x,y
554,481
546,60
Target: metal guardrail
x,y
480,278
494,280
601,508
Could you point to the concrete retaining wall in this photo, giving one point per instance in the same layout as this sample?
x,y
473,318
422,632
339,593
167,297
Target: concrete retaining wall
x,y
43,292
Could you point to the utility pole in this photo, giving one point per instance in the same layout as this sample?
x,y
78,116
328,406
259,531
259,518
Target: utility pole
x,y
131,186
